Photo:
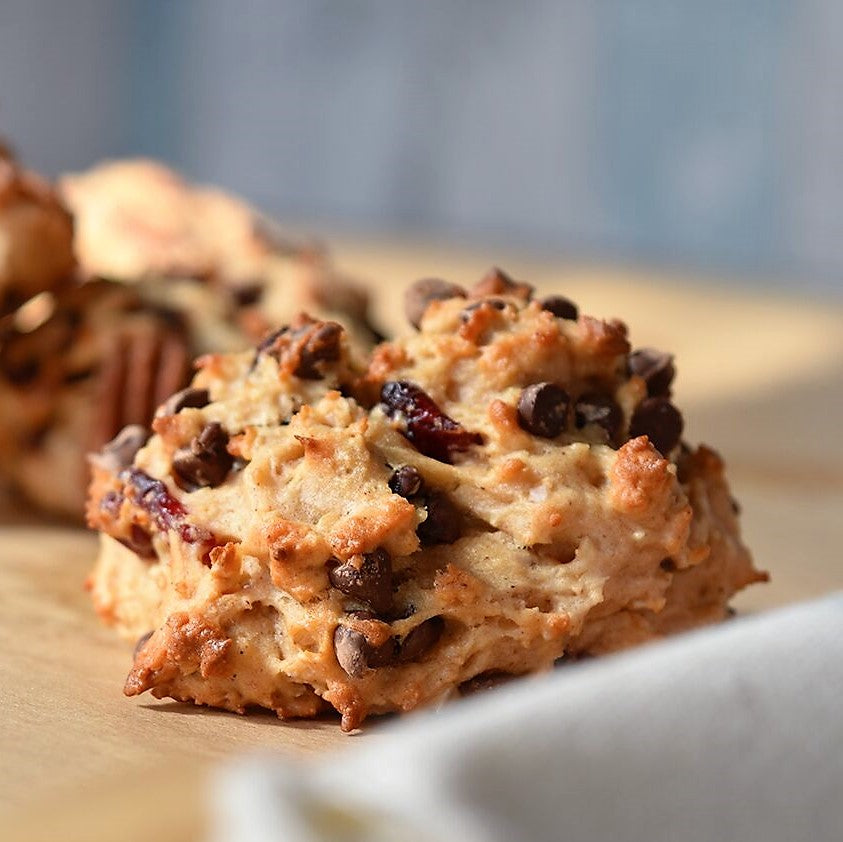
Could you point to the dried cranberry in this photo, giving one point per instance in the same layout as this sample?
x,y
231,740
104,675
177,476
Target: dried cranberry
x,y
167,512
427,427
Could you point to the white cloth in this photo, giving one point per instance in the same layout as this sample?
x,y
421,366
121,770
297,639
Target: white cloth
x,y
731,733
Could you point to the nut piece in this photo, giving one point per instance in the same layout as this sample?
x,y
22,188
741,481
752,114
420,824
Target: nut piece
x,y
418,297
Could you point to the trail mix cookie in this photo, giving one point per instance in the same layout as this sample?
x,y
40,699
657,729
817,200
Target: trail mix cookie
x,y
505,488
137,219
88,355
36,236
101,358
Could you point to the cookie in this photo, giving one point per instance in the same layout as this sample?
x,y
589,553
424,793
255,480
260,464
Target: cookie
x,y
101,358
199,271
36,237
137,219
503,490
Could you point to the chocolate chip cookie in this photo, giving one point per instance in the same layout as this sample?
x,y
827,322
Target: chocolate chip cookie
x,y
504,489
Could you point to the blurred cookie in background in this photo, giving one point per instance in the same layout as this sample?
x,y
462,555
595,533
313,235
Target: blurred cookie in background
x,y
36,236
190,271
73,371
137,219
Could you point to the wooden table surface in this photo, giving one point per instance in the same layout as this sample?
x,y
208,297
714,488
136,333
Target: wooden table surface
x,y
760,377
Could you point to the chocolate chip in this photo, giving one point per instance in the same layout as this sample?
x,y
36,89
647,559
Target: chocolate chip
x,y
139,541
120,452
660,421
421,294
655,367
357,656
142,641
405,481
323,345
369,583
498,282
561,307
188,398
442,524
205,462
247,295
668,565
601,411
493,303
543,409
484,681
421,639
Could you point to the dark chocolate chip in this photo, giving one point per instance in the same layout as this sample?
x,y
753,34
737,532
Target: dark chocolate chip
x,y
570,658
20,372
599,410
247,295
421,639
660,421
357,656
543,409
142,641
322,346
405,481
421,294
561,307
120,452
668,565
736,506
205,462
370,583
139,541
188,398
431,431
485,681
494,303
655,367
442,524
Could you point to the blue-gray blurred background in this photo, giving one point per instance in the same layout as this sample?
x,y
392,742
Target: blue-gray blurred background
x,y
699,133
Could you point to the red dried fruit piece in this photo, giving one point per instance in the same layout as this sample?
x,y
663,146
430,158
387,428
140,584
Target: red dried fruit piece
x,y
166,512
427,427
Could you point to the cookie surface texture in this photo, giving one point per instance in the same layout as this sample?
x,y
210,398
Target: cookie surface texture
x,y
374,534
